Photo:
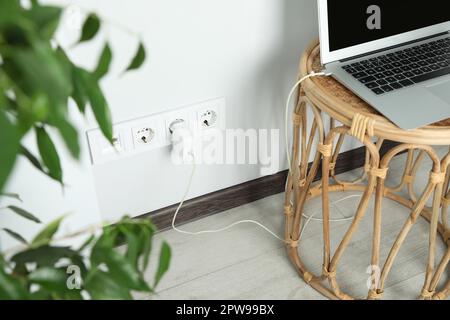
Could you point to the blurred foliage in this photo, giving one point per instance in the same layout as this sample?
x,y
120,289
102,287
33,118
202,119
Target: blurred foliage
x,y
37,81
98,269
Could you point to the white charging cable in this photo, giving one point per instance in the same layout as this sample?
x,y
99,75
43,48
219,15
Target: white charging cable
x,y
216,230
288,105
310,218
288,154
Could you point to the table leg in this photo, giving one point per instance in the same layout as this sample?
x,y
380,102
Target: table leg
x,y
445,232
301,188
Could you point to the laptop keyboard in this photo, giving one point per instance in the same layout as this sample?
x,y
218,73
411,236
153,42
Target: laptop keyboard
x,y
403,68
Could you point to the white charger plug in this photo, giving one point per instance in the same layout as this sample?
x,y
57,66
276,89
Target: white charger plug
x,y
182,142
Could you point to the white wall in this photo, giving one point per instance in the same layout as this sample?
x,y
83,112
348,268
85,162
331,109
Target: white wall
x,y
244,50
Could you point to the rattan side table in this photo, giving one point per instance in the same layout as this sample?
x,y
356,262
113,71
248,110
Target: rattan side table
x,y
323,95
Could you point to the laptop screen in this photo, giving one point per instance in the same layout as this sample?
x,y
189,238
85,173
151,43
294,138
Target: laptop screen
x,y
354,22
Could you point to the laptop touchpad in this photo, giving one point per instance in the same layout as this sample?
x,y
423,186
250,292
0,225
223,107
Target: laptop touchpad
x,y
441,90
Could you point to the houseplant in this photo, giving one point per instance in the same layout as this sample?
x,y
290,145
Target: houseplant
x,y
37,81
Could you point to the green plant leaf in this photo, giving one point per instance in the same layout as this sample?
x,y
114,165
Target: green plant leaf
x,y
79,94
54,281
72,295
87,243
10,11
49,278
44,256
90,28
20,270
138,59
104,62
46,235
40,107
25,117
120,268
11,288
164,262
46,19
147,247
67,131
78,260
24,214
49,154
134,245
102,286
40,295
70,137
15,235
88,88
16,33
9,140
99,105
38,70
12,196
33,160
106,240
10,104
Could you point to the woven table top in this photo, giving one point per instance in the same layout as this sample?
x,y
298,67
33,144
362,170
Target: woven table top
x,y
333,98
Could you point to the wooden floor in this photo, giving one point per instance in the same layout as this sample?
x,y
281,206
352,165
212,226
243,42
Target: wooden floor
x,y
248,263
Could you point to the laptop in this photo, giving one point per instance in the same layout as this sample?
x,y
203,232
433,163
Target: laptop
x,y
395,55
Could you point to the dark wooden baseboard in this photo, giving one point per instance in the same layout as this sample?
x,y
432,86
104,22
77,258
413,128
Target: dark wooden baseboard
x,y
247,192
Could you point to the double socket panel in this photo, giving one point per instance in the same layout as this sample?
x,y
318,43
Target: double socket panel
x,y
152,132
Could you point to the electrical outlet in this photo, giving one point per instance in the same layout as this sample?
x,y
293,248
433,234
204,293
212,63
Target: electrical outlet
x,y
151,132
102,150
211,114
208,119
143,136
181,116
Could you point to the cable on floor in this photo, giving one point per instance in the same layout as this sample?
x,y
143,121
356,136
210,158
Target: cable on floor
x,y
309,218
